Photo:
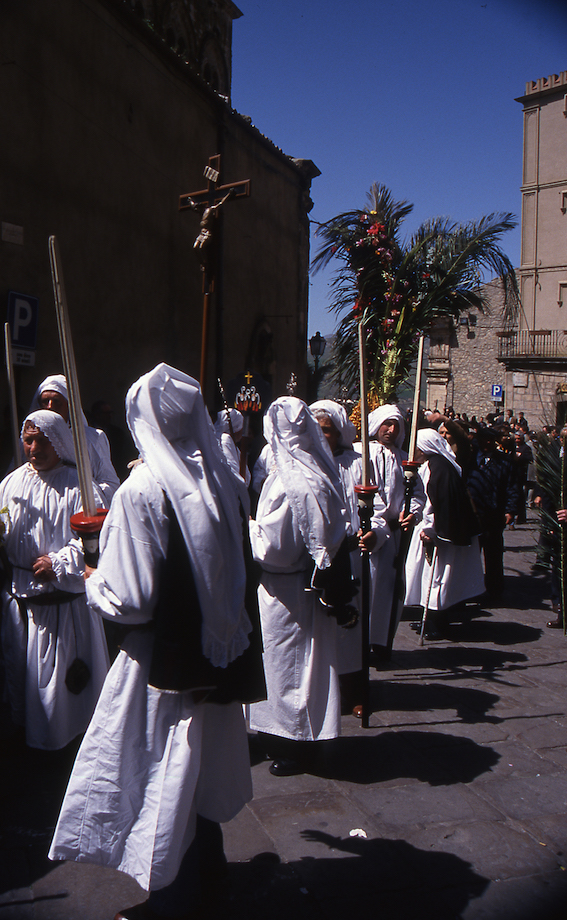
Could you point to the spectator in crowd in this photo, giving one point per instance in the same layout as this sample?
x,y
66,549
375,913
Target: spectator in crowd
x,y
493,489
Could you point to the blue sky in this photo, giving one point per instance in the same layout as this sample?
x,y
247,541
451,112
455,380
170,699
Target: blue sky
x,y
417,96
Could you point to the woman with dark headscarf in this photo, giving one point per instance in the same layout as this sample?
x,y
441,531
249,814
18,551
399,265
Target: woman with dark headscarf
x,y
443,565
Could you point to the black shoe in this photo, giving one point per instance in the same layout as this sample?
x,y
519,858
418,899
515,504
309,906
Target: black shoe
x,y
431,632
286,767
555,624
380,652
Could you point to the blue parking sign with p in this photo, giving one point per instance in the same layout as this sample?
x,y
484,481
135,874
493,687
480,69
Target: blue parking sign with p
x,y
496,392
22,317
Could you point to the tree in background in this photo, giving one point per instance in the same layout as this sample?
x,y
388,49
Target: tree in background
x,y
399,289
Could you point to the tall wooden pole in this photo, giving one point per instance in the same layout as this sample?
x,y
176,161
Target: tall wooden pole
x,y
87,523
410,472
365,493
13,401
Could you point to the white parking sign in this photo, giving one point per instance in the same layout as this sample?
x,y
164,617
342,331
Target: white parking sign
x,y
22,317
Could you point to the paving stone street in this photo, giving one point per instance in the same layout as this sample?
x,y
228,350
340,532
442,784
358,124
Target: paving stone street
x,y
453,804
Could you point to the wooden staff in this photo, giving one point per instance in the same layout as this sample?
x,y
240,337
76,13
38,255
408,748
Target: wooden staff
x,y
428,597
89,522
13,402
365,493
410,472
416,399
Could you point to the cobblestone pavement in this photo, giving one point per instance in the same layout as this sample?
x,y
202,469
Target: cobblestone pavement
x,y
453,804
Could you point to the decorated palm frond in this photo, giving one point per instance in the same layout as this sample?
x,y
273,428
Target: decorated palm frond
x,y
399,289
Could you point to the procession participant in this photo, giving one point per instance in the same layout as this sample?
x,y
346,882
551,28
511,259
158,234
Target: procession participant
x,y
165,758
301,522
493,489
122,450
261,469
52,394
228,439
54,647
522,460
453,573
386,431
456,435
340,433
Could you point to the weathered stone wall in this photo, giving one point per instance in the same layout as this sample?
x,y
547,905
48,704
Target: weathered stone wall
x,y
103,128
474,359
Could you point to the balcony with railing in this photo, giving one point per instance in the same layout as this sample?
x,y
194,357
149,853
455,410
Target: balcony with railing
x,y
533,345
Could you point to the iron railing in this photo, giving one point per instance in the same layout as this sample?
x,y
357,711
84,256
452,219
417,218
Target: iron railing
x,y
539,343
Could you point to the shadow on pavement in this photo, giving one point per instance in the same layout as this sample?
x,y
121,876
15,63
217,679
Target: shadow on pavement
x,y
33,784
524,591
497,633
430,757
457,661
470,705
381,878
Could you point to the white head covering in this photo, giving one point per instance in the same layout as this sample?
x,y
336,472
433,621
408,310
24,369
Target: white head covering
x,y
339,418
430,442
384,414
56,430
236,419
57,384
174,434
310,477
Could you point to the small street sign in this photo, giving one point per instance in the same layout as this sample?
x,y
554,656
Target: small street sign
x,y
22,317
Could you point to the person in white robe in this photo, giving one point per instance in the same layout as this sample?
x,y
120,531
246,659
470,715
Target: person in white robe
x,y
54,648
340,433
262,467
301,523
52,394
228,440
444,566
165,760
386,429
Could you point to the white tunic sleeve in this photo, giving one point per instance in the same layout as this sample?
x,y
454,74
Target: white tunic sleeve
x,y
133,540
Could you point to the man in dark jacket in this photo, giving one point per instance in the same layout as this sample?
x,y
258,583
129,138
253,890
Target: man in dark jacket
x,y
493,488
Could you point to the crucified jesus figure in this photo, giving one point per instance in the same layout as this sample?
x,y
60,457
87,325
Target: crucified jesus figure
x,y
205,238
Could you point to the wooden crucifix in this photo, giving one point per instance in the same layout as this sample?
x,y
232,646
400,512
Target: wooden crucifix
x,y
211,200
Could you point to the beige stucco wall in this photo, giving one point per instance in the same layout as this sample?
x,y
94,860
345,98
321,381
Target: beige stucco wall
x,y
544,205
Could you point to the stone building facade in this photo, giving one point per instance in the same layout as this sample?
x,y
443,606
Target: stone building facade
x,y
462,364
109,112
534,352
528,359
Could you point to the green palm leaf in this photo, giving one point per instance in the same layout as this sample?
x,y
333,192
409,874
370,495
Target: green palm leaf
x,y
399,289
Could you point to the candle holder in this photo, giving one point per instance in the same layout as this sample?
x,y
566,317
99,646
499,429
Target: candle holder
x,y
88,528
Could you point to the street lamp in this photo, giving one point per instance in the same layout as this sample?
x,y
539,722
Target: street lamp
x,y
317,345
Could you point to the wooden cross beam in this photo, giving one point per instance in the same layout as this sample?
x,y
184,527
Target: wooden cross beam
x,y
214,193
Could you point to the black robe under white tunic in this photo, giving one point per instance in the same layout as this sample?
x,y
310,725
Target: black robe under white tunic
x,y
448,519
152,759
